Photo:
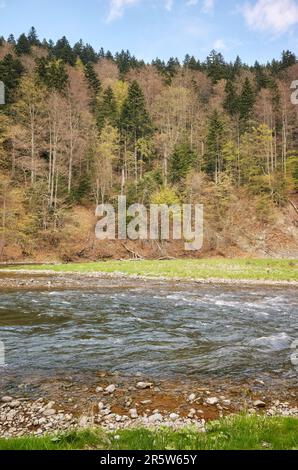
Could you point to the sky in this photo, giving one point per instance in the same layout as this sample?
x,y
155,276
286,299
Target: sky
x,y
253,29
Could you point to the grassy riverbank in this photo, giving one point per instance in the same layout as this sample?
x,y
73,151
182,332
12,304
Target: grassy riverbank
x,y
214,268
238,433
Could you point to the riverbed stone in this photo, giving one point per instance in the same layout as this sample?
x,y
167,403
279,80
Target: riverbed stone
x,y
144,385
192,397
111,389
155,418
174,416
6,399
133,413
259,404
212,401
49,412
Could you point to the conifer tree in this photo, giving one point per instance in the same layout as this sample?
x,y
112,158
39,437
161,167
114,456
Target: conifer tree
x,y
33,37
214,164
246,103
63,51
107,110
11,71
231,103
135,120
23,45
182,161
92,78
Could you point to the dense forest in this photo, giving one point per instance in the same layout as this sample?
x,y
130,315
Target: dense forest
x,y
80,127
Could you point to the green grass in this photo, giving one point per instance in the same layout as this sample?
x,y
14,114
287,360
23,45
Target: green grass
x,y
233,269
234,433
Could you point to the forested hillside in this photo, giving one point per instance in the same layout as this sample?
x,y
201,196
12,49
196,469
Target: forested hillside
x,y
80,127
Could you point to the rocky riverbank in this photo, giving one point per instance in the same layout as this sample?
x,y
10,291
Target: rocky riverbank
x,y
40,406
30,280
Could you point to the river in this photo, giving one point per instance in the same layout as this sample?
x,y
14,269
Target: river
x,y
164,330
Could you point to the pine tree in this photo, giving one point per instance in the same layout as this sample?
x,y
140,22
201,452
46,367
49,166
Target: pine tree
x,y
135,123
11,40
63,51
11,71
33,37
216,66
52,73
92,78
23,45
237,65
287,60
246,104
107,110
213,158
135,120
182,161
231,103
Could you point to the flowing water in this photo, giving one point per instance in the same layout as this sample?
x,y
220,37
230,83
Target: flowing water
x,y
158,329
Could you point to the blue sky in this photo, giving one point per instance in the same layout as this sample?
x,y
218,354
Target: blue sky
x,y
254,29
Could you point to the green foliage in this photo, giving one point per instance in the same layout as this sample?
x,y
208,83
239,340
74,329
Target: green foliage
x,y
209,268
134,131
182,161
23,45
33,37
135,120
232,433
52,73
216,66
92,78
85,52
246,103
11,71
231,103
125,62
63,51
107,109
166,195
213,158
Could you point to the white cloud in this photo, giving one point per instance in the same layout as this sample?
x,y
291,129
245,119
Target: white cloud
x,y
191,3
168,5
117,8
208,6
219,45
277,16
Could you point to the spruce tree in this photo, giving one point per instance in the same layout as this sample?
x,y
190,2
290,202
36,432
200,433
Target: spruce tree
x,y
216,66
11,40
288,59
107,110
92,78
231,103
135,120
52,73
33,37
246,104
23,45
213,158
11,71
63,51
182,161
